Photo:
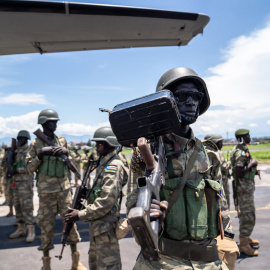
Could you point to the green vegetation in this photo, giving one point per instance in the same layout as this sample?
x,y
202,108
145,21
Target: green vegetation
x,y
261,156
257,146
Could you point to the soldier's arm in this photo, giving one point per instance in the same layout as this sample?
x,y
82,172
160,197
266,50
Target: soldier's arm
x,y
32,160
112,185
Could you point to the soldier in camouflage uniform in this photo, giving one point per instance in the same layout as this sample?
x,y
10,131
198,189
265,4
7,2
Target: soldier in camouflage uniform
x,y
103,209
244,170
85,158
76,157
224,164
228,250
53,187
7,184
23,190
191,226
1,175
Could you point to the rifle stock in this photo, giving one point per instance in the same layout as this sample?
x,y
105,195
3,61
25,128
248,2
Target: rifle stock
x,y
67,161
148,188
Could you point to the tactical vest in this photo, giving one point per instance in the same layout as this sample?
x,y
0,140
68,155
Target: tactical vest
x,y
53,166
194,215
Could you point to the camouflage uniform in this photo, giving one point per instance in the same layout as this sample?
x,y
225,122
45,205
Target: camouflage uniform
x,y
54,194
245,190
7,182
1,176
192,234
225,170
77,162
84,160
23,190
103,211
227,248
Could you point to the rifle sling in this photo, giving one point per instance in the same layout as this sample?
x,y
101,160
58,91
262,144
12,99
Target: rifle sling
x,y
189,166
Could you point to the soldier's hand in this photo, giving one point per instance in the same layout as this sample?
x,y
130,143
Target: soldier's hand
x,y
253,163
158,210
72,216
59,151
48,150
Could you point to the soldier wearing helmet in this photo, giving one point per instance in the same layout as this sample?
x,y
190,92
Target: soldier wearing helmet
x,y
227,247
23,190
244,171
53,187
191,225
103,209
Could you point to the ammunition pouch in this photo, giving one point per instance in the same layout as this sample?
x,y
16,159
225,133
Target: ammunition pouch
x,y
52,166
189,251
94,195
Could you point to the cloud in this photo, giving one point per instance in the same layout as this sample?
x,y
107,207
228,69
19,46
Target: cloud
x,y
23,99
239,86
10,126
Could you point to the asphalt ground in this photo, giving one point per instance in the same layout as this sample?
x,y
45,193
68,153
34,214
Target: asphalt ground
x,y
16,254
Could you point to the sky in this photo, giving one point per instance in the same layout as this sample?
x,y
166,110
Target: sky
x,y
232,56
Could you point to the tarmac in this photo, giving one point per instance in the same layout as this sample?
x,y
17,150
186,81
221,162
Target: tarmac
x,y
16,254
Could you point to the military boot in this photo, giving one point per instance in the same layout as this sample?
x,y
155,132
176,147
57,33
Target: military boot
x,y
76,263
20,231
31,234
245,247
46,263
253,242
10,214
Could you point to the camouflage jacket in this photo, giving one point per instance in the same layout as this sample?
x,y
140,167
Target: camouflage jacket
x,y
20,164
84,160
225,165
240,158
200,170
216,160
76,158
46,184
105,210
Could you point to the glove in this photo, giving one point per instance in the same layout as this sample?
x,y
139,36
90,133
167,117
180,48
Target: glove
x,y
59,151
48,150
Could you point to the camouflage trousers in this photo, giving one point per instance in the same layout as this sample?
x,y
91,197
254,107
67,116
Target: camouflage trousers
x,y
173,263
104,252
245,195
23,202
225,182
51,204
8,190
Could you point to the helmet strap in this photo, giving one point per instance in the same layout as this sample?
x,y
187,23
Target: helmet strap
x,y
188,120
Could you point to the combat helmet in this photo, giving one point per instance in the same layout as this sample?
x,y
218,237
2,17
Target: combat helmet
x,y
24,133
105,134
179,73
215,138
46,115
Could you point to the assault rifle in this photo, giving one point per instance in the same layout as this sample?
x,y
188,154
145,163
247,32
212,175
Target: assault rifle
x,y
137,123
77,202
11,158
67,161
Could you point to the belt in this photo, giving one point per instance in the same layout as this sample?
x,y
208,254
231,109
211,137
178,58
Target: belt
x,y
189,251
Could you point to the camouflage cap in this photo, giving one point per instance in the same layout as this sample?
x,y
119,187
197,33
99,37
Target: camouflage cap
x,y
213,138
241,132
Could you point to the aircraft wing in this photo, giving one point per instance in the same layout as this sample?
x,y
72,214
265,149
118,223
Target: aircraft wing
x,y
45,27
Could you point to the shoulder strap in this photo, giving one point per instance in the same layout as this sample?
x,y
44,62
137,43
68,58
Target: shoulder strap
x,y
190,164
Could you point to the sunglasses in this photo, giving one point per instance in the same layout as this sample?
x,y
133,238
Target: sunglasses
x,y
101,143
181,96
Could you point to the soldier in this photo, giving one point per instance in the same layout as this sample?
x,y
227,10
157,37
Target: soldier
x,y
228,250
103,209
7,184
244,170
1,175
54,189
85,158
191,225
77,161
23,190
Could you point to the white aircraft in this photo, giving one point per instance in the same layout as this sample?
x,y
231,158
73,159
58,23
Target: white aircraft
x,y
45,27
